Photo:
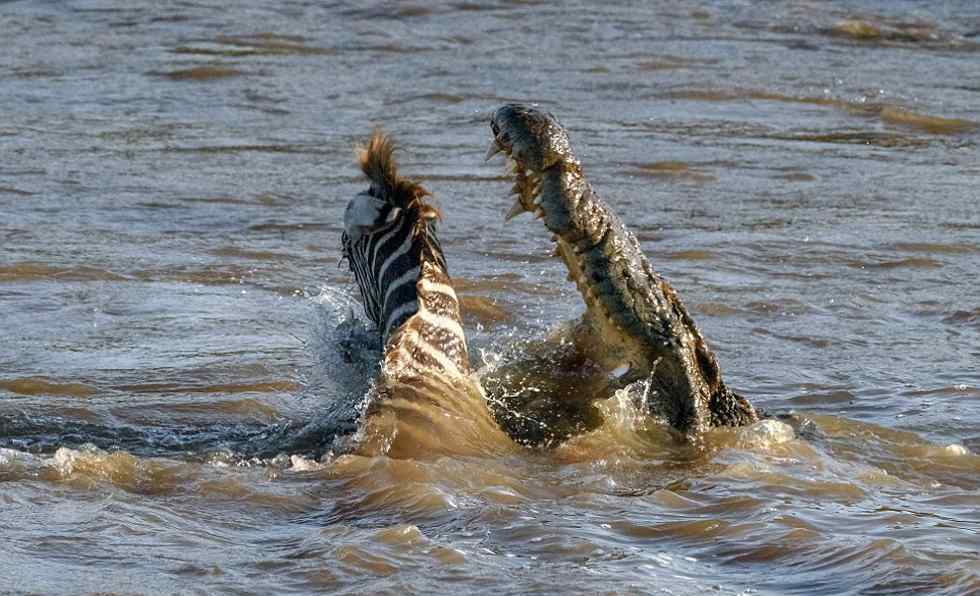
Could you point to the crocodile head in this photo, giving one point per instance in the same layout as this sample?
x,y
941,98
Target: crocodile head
x,y
537,144
619,332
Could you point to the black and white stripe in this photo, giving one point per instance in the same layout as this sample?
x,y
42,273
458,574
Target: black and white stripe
x,y
391,245
401,273
386,264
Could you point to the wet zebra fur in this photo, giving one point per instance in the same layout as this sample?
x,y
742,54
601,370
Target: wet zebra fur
x,y
390,242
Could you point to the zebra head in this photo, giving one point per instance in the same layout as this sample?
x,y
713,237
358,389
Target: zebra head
x,y
389,239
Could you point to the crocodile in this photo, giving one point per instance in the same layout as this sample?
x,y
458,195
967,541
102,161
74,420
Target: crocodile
x,y
635,327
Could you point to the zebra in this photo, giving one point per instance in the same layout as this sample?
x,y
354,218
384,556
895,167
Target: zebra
x,y
392,248
391,245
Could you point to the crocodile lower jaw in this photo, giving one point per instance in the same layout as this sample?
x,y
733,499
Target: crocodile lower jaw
x,y
527,183
612,348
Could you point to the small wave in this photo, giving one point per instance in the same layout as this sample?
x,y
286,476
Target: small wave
x,y
962,389
903,454
787,306
908,262
273,386
691,255
717,309
824,488
673,170
697,531
936,248
199,73
668,62
856,137
483,310
815,399
36,271
87,466
796,177
243,253
505,283
16,464
887,113
765,434
869,30
430,98
924,122
45,386
253,44
964,317
249,148
14,191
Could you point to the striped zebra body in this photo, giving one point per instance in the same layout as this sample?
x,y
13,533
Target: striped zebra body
x,y
432,339
391,244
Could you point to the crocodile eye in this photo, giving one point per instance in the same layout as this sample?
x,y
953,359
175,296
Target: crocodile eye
x,y
494,128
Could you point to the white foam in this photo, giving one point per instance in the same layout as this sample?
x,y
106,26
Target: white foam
x,y
298,463
11,458
766,433
956,449
64,460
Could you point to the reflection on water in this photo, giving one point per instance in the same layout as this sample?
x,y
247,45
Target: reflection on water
x,y
180,374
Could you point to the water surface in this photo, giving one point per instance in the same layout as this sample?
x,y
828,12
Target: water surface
x,y
171,189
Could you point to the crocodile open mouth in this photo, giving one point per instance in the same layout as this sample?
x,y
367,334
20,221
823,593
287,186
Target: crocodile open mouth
x,y
527,182
633,316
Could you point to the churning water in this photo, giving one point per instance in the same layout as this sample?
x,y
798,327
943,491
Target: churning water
x,y
172,179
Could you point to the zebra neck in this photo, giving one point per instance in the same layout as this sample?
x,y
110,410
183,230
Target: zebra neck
x,y
431,342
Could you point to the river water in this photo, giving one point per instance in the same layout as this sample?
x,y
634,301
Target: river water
x,y
172,180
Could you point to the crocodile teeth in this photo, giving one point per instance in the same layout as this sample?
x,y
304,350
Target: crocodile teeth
x,y
516,209
493,149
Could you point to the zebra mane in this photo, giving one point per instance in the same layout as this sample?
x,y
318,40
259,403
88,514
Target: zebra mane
x,y
377,161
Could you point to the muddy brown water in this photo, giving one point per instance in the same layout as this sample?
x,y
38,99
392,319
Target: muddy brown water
x,y
172,178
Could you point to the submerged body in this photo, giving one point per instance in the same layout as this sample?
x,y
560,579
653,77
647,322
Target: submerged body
x,y
635,327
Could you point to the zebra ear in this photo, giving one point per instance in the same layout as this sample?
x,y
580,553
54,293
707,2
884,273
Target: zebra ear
x,y
364,213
